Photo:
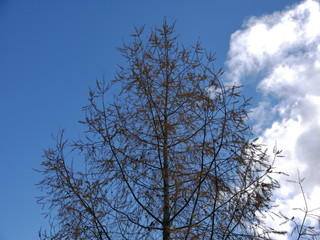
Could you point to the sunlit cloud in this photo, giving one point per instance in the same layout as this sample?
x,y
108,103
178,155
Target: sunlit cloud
x,y
281,51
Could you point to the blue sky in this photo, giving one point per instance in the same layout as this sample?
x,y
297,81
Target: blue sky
x,y
52,51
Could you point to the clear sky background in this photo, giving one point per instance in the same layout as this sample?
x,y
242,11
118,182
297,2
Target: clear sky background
x,y
52,51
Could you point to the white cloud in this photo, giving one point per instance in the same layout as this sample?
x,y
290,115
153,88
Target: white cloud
x,y
268,39
282,52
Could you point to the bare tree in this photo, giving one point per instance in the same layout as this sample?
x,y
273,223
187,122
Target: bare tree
x,y
168,156
307,226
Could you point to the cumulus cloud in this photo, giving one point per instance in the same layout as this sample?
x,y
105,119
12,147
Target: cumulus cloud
x,y
281,52
271,38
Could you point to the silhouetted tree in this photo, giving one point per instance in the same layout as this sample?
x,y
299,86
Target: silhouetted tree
x,y
169,157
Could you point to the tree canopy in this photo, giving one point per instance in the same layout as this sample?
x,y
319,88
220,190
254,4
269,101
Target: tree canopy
x,y
167,153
